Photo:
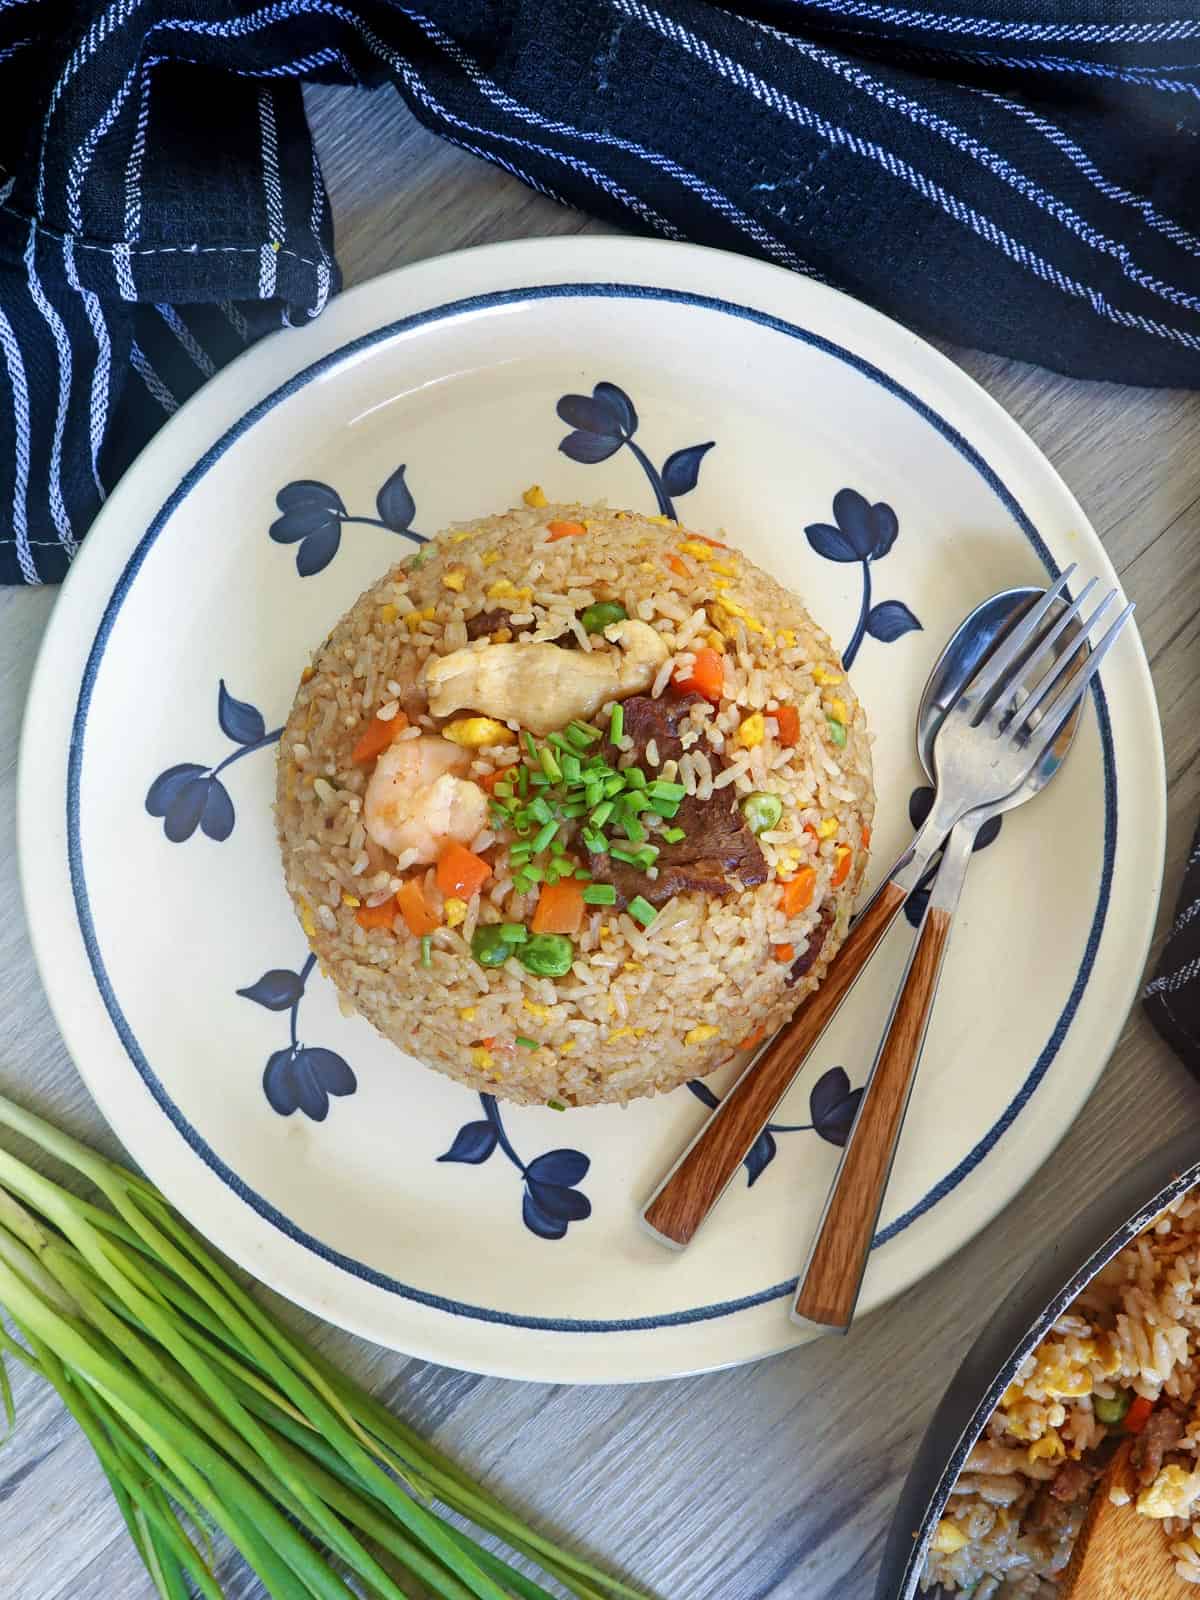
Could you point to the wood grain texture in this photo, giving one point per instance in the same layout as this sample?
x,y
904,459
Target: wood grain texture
x,y
829,1289
702,1174
711,1488
1119,1555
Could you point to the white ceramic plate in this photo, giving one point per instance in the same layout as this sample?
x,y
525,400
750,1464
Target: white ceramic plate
x,y
454,370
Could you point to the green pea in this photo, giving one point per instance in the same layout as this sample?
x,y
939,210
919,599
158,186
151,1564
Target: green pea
x,y
547,955
837,731
602,615
489,946
1112,1412
761,811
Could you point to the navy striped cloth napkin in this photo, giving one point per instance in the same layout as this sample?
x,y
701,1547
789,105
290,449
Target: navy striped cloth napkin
x,y
1017,175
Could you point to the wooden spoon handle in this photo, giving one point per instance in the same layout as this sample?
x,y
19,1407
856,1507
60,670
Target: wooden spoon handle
x,y
832,1278
698,1179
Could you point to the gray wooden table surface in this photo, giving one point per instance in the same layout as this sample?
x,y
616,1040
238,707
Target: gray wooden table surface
x,y
774,1480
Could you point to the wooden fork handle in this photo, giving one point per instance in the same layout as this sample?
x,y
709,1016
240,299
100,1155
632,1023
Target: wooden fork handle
x,y
694,1185
829,1290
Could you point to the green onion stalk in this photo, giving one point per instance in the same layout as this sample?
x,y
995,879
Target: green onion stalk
x,y
208,1416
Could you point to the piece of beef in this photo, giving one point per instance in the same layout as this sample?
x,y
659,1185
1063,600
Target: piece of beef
x,y
1162,1432
484,623
660,720
805,962
1074,1479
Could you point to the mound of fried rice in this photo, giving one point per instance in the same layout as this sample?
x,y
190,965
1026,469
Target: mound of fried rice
x,y
643,1007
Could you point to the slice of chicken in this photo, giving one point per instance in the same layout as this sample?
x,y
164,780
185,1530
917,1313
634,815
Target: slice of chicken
x,y
540,686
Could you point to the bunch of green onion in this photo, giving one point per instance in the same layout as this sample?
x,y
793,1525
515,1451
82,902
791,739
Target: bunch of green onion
x,y
207,1415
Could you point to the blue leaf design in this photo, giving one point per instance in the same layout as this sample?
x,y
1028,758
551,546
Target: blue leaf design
x,y
589,448
310,1096
681,469
833,1104
279,1084
537,1221
565,1167
891,620
240,721
762,1153
887,526
473,1143
318,550
619,404
914,906
853,514
395,504
328,1069
185,810
308,507
829,542
920,804
703,1093
277,990
165,789
557,1201
217,817
988,834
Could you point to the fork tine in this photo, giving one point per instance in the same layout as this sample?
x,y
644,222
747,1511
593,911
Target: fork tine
x,y
1066,663
1073,691
997,666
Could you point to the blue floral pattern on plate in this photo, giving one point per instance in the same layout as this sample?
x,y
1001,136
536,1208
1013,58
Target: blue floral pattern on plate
x,y
919,805
191,796
552,1200
313,516
606,422
864,533
299,1077
832,1105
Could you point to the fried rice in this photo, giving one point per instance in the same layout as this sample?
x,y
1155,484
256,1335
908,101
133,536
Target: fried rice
x,y
1123,1361
661,986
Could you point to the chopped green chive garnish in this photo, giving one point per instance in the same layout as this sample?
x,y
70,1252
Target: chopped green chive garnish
x,y
660,789
582,733
427,950
629,857
519,853
549,765
527,1044
571,769
664,808
616,725
673,835
534,874
543,837
523,780
583,875
555,1105
530,745
595,841
557,847
539,810
635,831
600,894
593,793
576,808
602,813
614,785
523,881
641,910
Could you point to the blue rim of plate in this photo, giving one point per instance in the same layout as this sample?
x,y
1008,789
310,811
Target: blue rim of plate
x,y
347,352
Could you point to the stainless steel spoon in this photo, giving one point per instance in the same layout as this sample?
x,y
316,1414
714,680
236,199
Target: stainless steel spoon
x,y
704,1170
832,1277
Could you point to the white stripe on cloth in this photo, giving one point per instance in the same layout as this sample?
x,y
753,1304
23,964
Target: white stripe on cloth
x,y
187,339
62,345
995,163
98,413
738,73
1168,983
1165,32
316,215
15,368
123,271
137,152
1079,158
139,363
236,320
270,170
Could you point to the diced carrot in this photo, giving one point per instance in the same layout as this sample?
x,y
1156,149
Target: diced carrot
x,y
377,916
377,735
788,719
1138,1414
488,1043
798,892
413,907
676,566
707,675
866,837
560,907
784,952
491,779
460,872
565,530
842,857
752,1039
716,542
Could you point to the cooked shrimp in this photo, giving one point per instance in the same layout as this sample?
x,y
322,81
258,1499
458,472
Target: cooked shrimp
x,y
418,798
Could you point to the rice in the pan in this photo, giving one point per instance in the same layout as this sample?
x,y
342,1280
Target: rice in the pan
x,y
1124,1359
746,738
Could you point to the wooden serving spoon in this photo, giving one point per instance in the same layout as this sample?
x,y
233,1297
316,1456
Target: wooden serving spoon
x,y
1119,1555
